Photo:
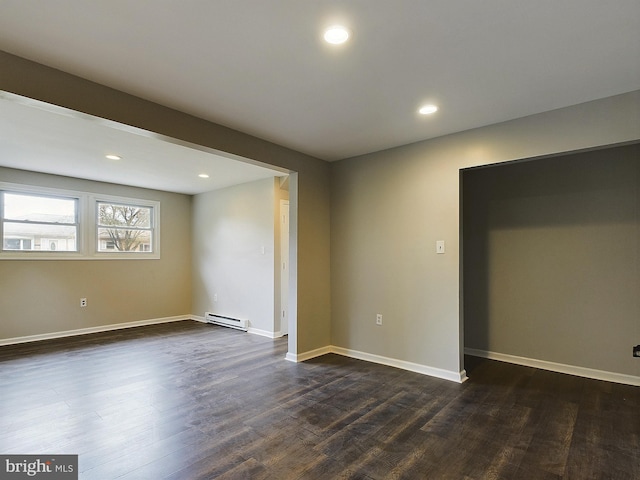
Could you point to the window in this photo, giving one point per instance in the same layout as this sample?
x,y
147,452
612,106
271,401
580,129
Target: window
x,y
124,228
44,223
38,222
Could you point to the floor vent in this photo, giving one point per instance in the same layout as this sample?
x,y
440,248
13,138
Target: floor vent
x,y
226,321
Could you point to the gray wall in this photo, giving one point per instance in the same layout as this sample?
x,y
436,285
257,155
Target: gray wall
x,y
551,259
309,190
43,296
231,226
365,243
389,208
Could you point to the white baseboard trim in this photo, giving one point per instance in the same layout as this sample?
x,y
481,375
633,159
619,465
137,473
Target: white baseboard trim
x,y
453,376
262,333
291,357
301,357
255,331
458,377
86,331
557,367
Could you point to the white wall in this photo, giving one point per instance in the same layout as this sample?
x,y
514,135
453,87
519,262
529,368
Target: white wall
x,y
232,227
389,208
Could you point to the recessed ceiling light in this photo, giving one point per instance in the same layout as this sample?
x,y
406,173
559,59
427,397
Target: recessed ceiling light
x,y
428,109
203,175
113,157
336,35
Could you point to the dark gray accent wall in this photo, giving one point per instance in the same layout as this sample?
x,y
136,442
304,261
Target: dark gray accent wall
x,y
552,259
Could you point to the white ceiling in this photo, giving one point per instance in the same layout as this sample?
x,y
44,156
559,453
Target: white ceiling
x,y
49,139
260,66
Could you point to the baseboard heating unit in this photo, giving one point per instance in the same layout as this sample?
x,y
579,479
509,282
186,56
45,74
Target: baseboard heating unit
x,y
236,323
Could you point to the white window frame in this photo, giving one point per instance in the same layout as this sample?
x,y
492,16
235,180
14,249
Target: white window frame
x,y
87,241
136,202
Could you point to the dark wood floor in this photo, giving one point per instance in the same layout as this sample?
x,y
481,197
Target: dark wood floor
x,y
185,401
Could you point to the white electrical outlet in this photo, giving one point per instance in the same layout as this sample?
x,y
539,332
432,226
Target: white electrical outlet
x,y
215,297
83,302
379,319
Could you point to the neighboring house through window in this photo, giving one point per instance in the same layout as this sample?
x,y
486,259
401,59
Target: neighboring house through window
x,y
39,222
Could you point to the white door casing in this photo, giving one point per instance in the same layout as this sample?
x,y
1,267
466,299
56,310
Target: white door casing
x,y
284,267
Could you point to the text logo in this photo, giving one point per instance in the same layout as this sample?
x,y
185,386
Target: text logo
x,y
45,467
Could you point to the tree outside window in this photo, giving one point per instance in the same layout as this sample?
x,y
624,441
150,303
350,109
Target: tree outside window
x,y
124,228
